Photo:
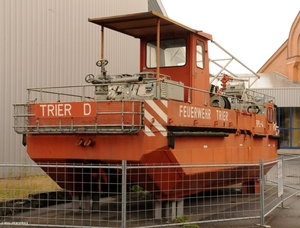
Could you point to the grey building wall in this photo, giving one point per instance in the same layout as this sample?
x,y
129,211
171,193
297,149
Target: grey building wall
x,y
51,43
156,5
284,97
285,91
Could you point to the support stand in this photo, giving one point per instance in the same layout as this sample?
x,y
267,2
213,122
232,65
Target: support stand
x,y
173,209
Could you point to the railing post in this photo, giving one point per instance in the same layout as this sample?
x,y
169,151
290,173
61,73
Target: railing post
x,y
189,95
262,185
41,95
28,96
83,93
124,173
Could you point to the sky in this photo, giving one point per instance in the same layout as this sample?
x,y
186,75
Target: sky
x,y
251,31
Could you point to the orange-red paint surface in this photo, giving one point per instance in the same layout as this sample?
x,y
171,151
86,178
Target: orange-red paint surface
x,y
155,131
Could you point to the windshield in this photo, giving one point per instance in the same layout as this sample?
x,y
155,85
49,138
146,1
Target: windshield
x,y
172,53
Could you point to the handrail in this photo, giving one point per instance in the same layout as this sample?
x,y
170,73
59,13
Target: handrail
x,y
28,123
147,79
82,95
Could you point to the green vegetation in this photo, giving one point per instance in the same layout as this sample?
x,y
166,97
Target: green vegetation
x,y
138,193
181,219
190,226
136,188
21,187
185,220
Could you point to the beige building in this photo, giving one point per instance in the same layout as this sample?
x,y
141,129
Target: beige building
x,y
51,43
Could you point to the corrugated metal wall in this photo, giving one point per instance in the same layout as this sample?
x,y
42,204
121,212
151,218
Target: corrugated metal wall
x,y
284,97
156,5
49,43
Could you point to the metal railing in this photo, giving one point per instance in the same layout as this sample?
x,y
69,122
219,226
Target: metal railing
x,y
34,200
127,118
25,121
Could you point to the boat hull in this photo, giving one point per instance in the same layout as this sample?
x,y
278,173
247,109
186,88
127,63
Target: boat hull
x,y
195,164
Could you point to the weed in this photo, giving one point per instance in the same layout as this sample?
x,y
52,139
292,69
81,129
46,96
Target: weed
x,y
190,226
138,193
185,220
136,188
181,219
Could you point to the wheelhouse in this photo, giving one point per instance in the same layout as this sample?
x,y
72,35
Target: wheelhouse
x,y
167,48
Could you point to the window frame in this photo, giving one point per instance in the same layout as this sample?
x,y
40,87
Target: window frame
x,y
154,42
201,44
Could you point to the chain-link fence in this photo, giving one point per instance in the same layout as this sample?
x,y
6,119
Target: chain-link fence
x,y
224,193
281,183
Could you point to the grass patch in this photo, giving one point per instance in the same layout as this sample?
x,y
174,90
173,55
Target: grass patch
x,y
21,187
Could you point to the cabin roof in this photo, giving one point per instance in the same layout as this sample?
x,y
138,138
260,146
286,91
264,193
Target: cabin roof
x,y
141,25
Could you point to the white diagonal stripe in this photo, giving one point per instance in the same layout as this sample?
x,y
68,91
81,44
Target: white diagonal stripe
x,y
156,124
165,103
157,109
148,132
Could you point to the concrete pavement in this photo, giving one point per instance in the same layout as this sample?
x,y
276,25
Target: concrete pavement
x,y
289,152
286,215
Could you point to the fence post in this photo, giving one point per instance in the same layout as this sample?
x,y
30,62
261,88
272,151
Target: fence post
x,y
124,172
262,198
281,183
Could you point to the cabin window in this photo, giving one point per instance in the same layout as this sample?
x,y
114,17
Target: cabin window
x,y
172,53
199,54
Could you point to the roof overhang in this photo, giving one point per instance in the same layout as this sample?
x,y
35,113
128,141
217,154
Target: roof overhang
x,y
141,25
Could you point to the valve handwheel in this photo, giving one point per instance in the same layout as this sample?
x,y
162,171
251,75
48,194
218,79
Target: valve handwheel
x,y
102,62
89,78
